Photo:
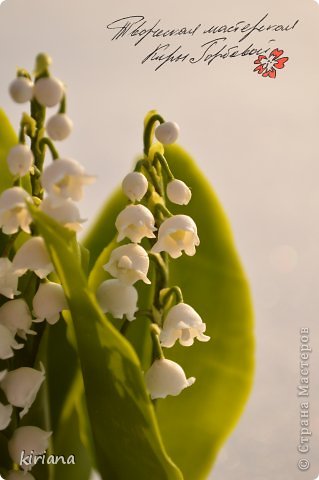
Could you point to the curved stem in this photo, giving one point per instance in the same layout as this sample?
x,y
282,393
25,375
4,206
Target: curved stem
x,y
162,160
149,130
46,141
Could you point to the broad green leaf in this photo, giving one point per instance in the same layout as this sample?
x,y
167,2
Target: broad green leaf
x,y
125,433
195,424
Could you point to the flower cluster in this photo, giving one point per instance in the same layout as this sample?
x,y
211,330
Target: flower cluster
x,y
25,263
147,220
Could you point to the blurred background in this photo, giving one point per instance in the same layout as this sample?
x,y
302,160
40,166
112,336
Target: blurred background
x,y
256,139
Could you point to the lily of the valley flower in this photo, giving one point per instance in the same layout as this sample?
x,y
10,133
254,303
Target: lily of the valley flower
x,y
65,178
13,210
7,343
30,441
117,299
48,303
135,222
5,415
59,126
20,160
8,279
135,186
48,91
129,263
178,192
21,387
21,90
184,324
176,234
19,475
33,255
167,132
16,316
66,212
166,377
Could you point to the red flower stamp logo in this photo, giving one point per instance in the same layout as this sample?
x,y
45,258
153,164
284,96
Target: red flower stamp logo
x,y
267,66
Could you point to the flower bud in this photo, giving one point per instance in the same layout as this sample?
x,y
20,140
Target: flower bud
x,y
30,441
34,256
5,416
20,160
8,279
21,90
19,475
135,222
178,192
184,324
48,91
66,213
16,316
176,234
166,378
59,126
48,303
135,186
7,343
129,263
117,299
64,178
13,210
167,132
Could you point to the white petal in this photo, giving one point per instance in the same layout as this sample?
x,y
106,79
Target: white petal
x,y
19,475
135,186
166,377
178,192
118,299
167,132
135,222
16,316
129,263
59,126
5,415
49,301
33,255
25,440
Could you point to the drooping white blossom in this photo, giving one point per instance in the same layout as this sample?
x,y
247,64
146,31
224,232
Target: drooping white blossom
x,y
16,316
66,212
21,90
176,234
117,299
20,160
64,178
7,343
167,132
8,279
13,210
166,377
48,91
59,126
19,475
49,302
21,387
178,192
30,441
184,324
33,255
135,186
129,263
135,222
5,415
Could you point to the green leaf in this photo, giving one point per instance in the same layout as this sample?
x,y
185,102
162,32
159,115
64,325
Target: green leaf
x,y
195,424
125,433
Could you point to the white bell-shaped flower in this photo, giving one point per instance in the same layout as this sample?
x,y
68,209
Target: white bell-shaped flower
x,y
59,126
129,263
135,186
21,387
48,303
184,324
176,234
19,475
64,178
7,343
167,132
5,415
66,212
135,222
20,160
166,377
48,91
117,299
34,256
16,316
13,210
8,279
21,90
29,442
178,192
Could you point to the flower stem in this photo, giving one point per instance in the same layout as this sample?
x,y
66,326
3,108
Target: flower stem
x,y
46,141
157,349
148,131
